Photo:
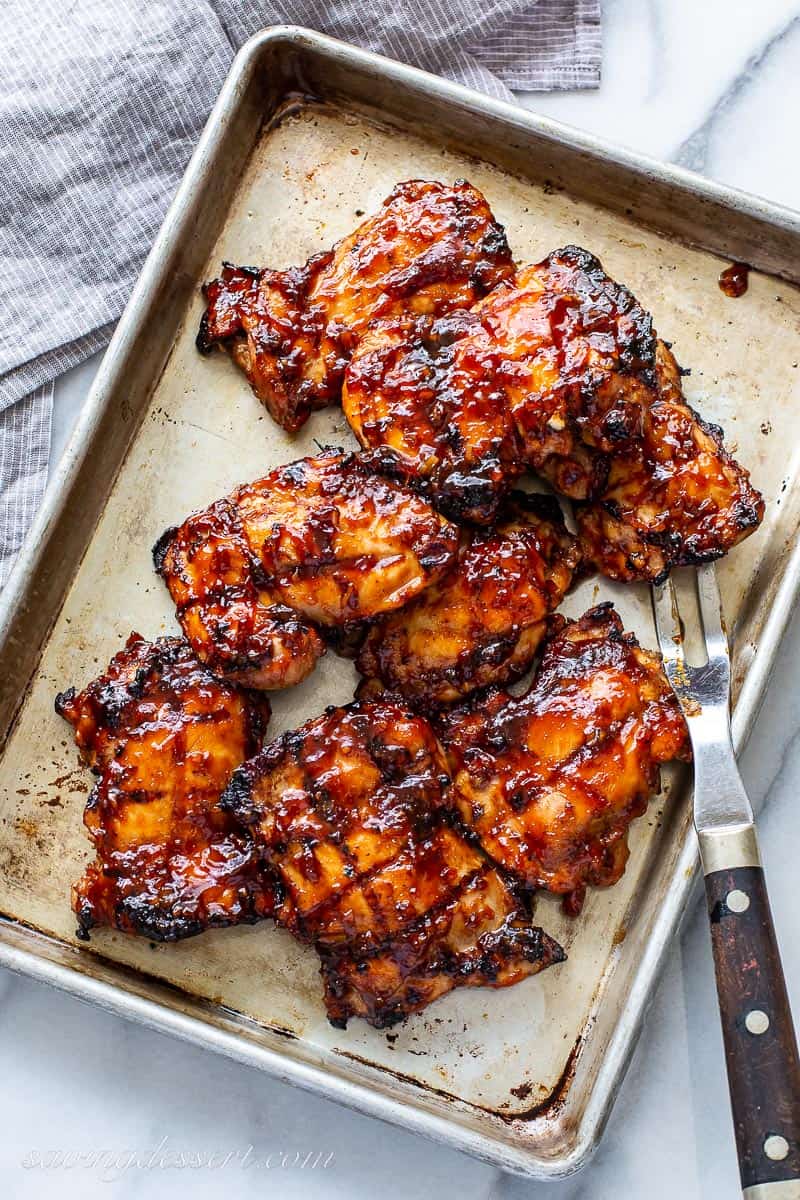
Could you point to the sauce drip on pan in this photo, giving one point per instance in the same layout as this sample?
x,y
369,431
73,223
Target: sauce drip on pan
x,y
734,279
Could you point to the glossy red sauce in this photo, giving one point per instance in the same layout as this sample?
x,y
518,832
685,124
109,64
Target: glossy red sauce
x,y
734,279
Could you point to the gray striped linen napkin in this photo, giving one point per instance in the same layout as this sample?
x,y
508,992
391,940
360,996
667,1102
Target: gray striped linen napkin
x,y
101,104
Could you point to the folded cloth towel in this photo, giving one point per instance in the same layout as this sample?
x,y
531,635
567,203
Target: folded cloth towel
x,y
101,103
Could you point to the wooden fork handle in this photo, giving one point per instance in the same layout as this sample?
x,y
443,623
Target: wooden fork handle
x,y
760,1043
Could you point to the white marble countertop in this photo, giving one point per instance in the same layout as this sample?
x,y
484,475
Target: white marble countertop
x,y
714,86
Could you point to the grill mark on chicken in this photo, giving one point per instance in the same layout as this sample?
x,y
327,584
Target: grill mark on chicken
x,y
430,248
353,811
316,545
164,737
550,781
424,420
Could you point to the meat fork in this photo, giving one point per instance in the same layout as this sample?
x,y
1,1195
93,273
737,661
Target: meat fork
x,y
760,1044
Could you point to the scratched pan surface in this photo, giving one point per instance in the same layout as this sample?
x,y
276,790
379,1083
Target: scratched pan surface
x,y
523,1077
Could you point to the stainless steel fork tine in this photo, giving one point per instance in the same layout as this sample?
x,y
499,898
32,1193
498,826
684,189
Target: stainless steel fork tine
x,y
668,624
711,612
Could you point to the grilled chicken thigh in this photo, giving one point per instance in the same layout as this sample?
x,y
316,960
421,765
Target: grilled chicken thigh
x,y
352,812
430,249
541,367
570,350
550,781
559,370
483,621
597,402
672,497
165,736
434,418
320,542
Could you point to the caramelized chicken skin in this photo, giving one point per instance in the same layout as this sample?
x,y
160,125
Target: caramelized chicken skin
x,y
546,365
558,369
675,497
572,352
550,781
318,542
432,418
431,248
598,403
483,621
352,812
165,736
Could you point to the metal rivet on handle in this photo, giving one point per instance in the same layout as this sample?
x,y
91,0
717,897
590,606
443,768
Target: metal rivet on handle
x,y
756,1021
737,902
776,1147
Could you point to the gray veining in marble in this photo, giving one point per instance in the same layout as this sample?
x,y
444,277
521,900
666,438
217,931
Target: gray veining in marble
x,y
694,152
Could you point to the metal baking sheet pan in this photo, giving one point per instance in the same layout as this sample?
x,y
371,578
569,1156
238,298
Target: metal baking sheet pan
x,y
307,134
